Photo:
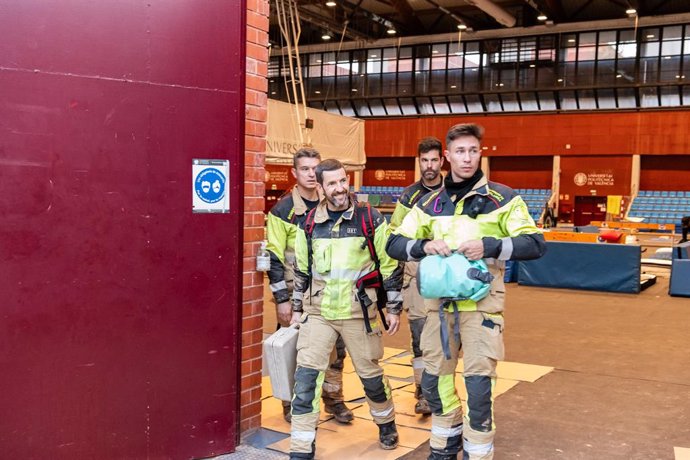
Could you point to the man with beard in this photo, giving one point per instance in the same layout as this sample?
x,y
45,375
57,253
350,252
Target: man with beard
x,y
283,220
333,251
430,163
481,220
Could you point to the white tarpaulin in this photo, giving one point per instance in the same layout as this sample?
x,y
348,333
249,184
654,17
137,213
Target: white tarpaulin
x,y
334,136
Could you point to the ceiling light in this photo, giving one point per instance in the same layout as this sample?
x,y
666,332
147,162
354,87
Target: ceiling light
x,y
318,60
542,17
619,76
631,11
499,84
325,37
667,57
373,55
317,92
531,66
390,31
330,3
354,90
453,86
462,27
650,35
435,51
273,92
560,80
571,40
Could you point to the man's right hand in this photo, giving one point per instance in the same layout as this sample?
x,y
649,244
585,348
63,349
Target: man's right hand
x,y
296,316
284,313
437,247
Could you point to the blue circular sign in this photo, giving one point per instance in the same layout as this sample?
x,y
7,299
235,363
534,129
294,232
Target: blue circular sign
x,y
210,185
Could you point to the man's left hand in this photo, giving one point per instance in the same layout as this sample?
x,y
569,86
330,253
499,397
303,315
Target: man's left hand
x,y
393,323
473,249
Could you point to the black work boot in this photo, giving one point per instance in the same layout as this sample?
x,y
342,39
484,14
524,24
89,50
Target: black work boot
x,y
388,436
339,410
287,406
422,406
438,456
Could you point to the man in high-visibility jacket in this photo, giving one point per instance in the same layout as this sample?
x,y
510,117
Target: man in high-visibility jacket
x,y
283,220
482,220
430,162
337,246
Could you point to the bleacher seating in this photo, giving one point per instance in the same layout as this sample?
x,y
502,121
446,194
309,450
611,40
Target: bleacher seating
x,y
661,206
536,199
379,194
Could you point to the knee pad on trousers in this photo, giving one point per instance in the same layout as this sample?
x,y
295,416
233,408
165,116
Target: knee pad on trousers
x,y
430,392
416,327
305,391
479,402
374,388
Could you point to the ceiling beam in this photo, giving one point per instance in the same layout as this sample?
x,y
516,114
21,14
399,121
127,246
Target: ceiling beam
x,y
411,20
554,10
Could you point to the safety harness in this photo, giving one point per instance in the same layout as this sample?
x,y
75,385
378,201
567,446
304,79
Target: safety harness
x,y
373,279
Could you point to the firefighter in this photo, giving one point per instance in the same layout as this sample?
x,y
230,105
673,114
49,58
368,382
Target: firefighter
x,y
343,275
283,220
430,163
481,220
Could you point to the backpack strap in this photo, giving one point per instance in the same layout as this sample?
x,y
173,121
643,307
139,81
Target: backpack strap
x,y
309,230
369,231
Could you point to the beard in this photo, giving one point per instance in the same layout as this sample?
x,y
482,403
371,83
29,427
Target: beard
x,y
430,174
338,200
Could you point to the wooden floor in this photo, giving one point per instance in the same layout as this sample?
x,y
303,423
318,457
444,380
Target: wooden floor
x,y
621,384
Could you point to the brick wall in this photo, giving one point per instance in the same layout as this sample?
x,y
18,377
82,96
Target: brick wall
x,y
255,148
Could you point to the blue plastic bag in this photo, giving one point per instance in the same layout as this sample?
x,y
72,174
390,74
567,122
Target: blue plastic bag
x,y
453,277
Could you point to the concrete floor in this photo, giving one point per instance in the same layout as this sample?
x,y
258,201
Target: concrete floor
x,y
621,384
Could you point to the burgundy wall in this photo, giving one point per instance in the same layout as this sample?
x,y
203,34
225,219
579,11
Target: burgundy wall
x,y
665,172
605,175
119,311
393,172
522,172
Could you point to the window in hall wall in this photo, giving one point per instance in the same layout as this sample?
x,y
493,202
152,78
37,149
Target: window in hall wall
x,y
377,109
346,108
474,104
392,107
389,85
528,102
649,97
547,100
492,103
425,106
626,98
457,104
510,102
407,106
568,100
606,98
670,96
440,105
362,108
586,99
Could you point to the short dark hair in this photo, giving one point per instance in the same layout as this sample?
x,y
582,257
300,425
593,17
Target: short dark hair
x,y
327,165
464,129
305,152
428,144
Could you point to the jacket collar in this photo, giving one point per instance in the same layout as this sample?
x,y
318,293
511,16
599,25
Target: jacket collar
x,y
321,213
298,204
480,188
